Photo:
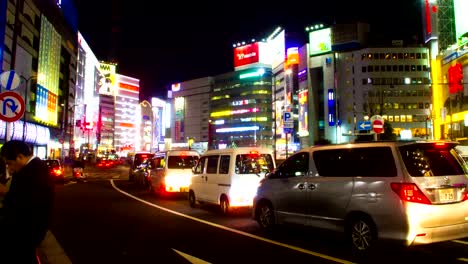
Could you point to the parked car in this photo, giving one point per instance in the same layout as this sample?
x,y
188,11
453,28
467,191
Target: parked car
x,y
410,192
229,177
56,170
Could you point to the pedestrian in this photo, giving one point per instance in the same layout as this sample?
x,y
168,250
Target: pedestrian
x,y
27,206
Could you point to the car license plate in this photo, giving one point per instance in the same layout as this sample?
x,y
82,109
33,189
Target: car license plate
x,y
446,195
183,189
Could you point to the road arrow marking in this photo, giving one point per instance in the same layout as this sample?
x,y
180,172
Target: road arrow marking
x,y
192,259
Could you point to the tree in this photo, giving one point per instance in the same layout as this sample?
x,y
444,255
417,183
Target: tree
x,y
388,132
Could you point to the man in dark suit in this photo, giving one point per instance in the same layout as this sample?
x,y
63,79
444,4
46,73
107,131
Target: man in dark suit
x,y
27,206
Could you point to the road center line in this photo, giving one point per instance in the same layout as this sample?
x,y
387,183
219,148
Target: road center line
x,y
460,241
313,253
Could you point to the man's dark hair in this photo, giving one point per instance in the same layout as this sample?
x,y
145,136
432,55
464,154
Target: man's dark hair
x,y
11,149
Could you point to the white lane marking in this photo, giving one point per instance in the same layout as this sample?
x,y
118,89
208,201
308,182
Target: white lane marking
x,y
313,253
190,258
460,241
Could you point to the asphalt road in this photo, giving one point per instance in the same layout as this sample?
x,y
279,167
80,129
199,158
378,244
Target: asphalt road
x,y
109,220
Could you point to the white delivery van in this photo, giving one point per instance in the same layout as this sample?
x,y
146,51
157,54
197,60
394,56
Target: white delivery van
x,y
229,177
170,171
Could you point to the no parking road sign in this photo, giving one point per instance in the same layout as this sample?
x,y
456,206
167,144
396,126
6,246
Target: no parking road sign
x,y
11,106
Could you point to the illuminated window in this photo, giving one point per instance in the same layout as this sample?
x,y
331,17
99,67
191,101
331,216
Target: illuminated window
x,y
403,118
409,118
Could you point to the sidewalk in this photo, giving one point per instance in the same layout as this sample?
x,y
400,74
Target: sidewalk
x,y
50,251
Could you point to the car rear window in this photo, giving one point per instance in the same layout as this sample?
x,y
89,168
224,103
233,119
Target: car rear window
x,y
432,160
181,162
254,163
353,162
140,158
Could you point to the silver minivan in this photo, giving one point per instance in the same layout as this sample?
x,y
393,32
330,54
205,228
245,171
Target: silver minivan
x,y
412,192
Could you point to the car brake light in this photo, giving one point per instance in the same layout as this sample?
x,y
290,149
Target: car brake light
x,y
409,192
465,197
254,152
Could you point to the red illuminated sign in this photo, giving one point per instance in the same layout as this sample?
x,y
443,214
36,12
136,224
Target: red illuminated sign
x,y
129,87
245,55
455,78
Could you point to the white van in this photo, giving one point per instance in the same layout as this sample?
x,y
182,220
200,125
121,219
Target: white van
x,y
229,177
170,171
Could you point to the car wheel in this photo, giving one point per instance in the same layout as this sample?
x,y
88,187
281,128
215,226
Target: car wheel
x,y
265,217
191,199
362,234
224,204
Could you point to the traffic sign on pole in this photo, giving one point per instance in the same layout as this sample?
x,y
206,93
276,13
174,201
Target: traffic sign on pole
x,y
11,106
377,126
364,125
9,80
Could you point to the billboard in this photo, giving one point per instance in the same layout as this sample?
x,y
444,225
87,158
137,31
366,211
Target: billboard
x,y
430,20
247,54
292,56
461,20
319,41
303,124
48,72
277,49
106,84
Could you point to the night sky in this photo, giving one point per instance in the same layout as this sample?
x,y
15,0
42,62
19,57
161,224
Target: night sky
x,y
183,40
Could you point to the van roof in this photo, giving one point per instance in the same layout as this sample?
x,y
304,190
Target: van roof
x,y
240,150
181,152
379,143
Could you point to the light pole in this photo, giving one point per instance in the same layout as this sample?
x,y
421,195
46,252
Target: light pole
x,y
26,90
274,114
65,125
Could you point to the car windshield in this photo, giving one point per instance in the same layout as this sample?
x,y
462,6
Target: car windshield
x,y
254,163
432,160
181,162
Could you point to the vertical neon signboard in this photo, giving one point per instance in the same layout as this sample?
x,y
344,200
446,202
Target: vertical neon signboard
x,y
331,107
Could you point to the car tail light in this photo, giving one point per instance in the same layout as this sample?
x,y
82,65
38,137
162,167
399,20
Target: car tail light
x,y
465,197
409,192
